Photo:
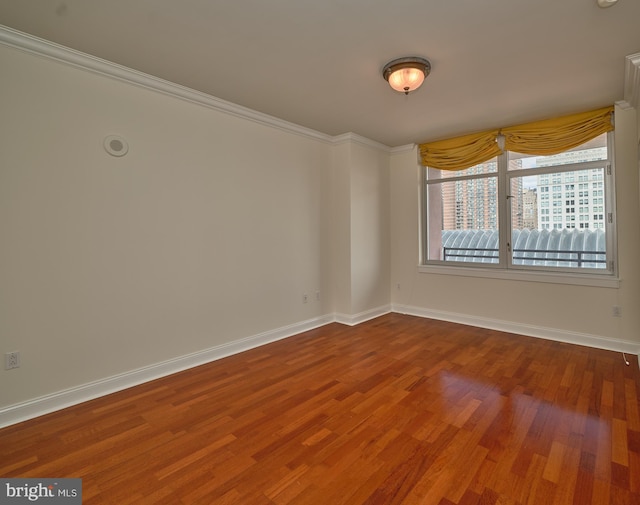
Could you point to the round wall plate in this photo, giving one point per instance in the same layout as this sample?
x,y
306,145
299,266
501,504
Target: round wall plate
x,y
116,145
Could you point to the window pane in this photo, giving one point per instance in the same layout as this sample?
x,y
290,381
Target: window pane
x,y
463,220
558,219
594,150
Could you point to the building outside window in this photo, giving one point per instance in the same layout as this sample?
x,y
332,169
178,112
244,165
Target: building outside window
x,y
497,213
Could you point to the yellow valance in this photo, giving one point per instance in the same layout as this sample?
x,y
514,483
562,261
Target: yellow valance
x,y
460,152
543,138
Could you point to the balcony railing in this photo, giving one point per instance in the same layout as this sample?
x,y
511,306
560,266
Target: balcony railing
x,y
530,256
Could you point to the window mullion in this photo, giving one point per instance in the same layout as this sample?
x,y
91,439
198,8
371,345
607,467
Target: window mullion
x,y
610,207
504,217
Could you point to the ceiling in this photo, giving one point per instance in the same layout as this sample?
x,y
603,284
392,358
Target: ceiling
x,y
318,64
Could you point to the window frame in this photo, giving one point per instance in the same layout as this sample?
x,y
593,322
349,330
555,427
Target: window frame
x,y
505,268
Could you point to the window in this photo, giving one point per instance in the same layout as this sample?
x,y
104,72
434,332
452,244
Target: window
x,y
497,214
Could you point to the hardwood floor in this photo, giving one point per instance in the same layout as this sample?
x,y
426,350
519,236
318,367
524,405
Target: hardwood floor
x,y
396,410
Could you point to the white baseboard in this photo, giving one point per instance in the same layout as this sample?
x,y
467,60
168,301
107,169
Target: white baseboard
x,y
352,320
56,401
49,403
528,330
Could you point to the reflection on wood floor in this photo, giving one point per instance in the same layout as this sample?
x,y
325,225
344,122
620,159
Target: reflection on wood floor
x,y
399,409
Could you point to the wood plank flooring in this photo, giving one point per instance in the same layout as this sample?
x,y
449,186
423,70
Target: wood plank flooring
x,y
398,410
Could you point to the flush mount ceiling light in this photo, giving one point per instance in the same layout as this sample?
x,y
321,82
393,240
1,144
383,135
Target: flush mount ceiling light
x,y
606,3
406,74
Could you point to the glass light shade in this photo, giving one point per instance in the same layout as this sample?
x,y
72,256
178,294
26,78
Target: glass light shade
x,y
406,79
406,74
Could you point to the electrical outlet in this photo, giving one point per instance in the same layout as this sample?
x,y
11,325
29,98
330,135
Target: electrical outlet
x,y
11,360
305,298
616,311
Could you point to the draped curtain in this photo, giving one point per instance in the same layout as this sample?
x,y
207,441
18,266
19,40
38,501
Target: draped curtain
x,y
543,138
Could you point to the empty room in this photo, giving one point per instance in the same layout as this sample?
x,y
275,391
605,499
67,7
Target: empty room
x,y
312,253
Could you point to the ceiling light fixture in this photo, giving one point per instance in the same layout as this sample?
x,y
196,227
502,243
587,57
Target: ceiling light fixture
x,y
406,74
606,3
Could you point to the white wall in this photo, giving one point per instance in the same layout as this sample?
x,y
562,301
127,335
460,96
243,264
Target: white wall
x,y
341,228
370,233
627,213
203,238
576,313
361,267
208,231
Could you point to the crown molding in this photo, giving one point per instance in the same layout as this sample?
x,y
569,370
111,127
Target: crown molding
x,y
632,80
41,47
359,139
403,149
623,105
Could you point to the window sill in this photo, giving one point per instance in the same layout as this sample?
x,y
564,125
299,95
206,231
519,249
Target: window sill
x,y
595,280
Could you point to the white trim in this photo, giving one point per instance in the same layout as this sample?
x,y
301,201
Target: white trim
x,y
41,47
528,330
596,280
402,149
359,139
632,80
36,407
56,401
352,320
34,45
623,105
